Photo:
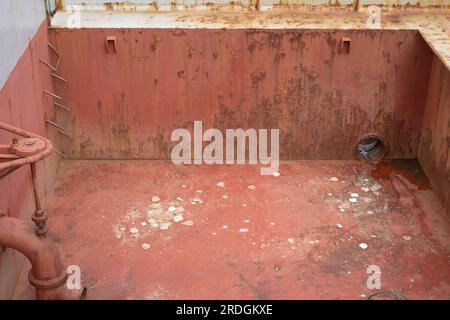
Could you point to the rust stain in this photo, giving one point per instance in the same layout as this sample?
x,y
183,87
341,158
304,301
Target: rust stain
x,y
434,148
293,80
254,5
409,169
308,272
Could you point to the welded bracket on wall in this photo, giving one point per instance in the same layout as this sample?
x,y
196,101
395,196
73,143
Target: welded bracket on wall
x,y
344,45
110,44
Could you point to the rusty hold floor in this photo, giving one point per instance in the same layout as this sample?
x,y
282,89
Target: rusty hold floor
x,y
296,236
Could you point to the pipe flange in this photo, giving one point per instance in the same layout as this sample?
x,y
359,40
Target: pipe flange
x,y
39,216
40,220
28,147
387,295
47,284
42,230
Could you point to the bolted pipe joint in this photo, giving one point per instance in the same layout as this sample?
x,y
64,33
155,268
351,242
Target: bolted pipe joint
x,y
56,289
40,220
48,274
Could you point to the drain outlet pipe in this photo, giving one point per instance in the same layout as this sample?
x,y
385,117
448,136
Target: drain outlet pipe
x,y
48,274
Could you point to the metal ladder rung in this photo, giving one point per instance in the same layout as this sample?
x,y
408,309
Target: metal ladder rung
x,y
52,94
54,124
54,68
61,106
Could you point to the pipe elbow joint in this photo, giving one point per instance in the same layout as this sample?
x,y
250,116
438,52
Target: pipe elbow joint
x,y
48,274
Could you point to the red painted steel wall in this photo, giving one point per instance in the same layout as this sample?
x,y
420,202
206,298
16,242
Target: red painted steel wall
x,y
126,104
22,105
434,152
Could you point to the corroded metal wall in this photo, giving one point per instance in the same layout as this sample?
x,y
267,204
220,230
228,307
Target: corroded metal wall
x,y
23,105
127,102
435,142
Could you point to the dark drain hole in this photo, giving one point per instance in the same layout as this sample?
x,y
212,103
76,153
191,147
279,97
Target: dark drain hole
x,y
371,148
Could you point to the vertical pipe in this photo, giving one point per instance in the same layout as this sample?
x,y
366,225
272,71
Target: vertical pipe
x,y
39,217
37,200
48,274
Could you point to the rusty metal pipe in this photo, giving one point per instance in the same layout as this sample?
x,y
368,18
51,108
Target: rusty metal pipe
x,y
48,274
26,160
40,216
37,200
8,171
